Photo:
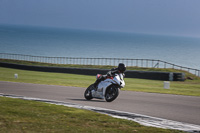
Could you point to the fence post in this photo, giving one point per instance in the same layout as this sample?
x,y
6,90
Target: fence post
x,y
136,62
141,62
147,63
158,63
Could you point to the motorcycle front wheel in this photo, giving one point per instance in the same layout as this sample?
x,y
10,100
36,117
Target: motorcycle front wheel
x,y
88,94
111,93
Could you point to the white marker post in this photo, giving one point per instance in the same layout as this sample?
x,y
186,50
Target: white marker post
x,y
16,75
166,85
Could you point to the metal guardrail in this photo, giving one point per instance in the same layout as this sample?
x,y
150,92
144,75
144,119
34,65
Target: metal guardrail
x,y
146,63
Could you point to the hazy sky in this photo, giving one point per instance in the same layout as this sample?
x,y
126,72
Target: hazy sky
x,y
181,17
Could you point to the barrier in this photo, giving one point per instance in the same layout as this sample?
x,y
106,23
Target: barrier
x,y
166,76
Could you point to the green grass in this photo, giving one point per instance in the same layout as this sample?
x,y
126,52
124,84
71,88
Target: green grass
x,y
153,86
189,87
18,116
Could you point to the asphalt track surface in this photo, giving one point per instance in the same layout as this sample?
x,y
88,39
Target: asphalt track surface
x,y
172,107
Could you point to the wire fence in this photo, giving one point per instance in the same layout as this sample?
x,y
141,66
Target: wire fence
x,y
146,63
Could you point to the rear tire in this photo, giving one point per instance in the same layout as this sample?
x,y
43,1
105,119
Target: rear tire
x,y
88,93
111,93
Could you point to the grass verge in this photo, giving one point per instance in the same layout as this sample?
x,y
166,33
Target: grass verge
x,y
18,115
189,87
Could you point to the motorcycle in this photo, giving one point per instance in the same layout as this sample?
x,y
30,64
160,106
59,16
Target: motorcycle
x,y
108,88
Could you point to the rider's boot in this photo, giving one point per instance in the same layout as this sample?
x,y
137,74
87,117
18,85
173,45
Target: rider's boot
x,y
98,81
101,78
96,84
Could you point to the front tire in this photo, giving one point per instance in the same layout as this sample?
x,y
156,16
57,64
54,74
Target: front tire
x,y
88,93
111,93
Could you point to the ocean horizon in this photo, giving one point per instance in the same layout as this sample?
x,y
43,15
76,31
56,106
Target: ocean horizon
x,y
58,42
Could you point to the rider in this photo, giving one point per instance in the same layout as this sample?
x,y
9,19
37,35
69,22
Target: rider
x,y
120,69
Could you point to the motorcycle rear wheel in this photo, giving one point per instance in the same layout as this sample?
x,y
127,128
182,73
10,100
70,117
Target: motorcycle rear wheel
x,y
88,93
111,93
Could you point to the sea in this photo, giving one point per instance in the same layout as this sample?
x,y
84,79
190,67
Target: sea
x,y
62,42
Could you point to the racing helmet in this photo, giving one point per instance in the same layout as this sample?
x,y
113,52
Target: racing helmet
x,y
122,67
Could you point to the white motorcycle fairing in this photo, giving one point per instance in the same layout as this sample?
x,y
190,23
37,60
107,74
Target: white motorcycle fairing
x,y
101,89
119,79
103,85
